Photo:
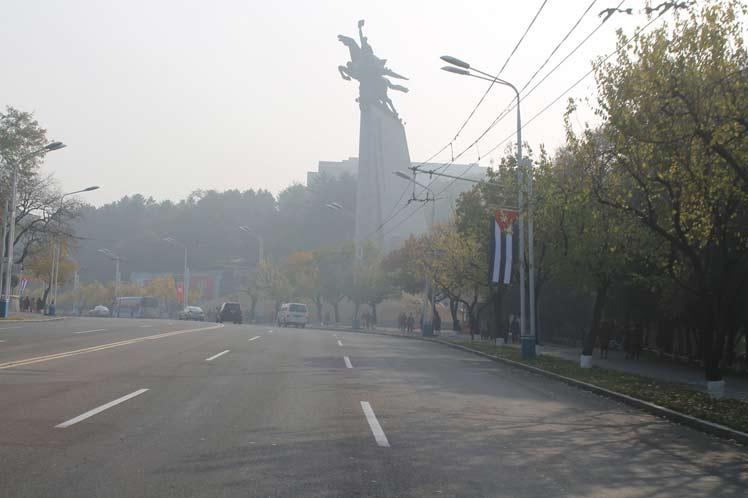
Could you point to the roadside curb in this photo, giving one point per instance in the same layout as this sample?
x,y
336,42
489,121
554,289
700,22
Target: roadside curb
x,y
33,320
654,409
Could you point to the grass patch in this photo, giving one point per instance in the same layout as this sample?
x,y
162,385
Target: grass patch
x,y
732,413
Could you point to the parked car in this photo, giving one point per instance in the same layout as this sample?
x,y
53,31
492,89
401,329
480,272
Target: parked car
x,y
99,310
295,314
229,312
191,313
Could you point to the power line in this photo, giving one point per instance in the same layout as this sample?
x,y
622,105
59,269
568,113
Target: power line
x,y
558,45
506,111
513,105
559,97
485,94
509,109
472,113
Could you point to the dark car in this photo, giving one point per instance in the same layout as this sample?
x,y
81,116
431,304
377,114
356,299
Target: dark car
x,y
229,312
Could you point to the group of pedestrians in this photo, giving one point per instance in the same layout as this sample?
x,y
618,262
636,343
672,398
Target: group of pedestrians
x,y
27,304
367,320
406,323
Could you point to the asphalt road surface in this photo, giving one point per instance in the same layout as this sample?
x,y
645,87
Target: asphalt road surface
x,y
150,408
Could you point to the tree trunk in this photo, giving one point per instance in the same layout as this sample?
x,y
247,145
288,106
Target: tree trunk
x,y
46,295
252,306
498,329
373,313
538,287
336,311
597,311
454,304
318,303
712,343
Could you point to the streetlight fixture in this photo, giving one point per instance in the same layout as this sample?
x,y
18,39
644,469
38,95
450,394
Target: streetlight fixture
x,y
460,67
5,300
58,250
336,206
260,240
109,254
427,328
186,276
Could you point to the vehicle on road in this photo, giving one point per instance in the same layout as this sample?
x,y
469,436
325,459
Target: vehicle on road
x,y
137,307
192,313
229,312
99,311
295,314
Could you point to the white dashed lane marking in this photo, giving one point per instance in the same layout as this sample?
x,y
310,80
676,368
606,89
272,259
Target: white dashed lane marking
x,y
217,355
100,409
376,429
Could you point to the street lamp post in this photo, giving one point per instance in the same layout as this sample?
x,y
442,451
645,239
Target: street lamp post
x,y
260,240
58,251
427,329
5,301
109,254
528,341
186,277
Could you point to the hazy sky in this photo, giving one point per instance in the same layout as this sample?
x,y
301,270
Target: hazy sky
x,y
165,97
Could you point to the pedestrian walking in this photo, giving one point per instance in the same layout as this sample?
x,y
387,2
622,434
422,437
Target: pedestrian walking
x,y
437,323
514,331
411,323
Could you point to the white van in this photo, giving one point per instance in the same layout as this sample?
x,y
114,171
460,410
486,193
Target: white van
x,y
293,314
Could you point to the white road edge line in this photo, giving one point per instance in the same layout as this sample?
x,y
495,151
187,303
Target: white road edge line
x,y
100,409
254,338
347,362
89,331
376,429
146,326
340,343
217,355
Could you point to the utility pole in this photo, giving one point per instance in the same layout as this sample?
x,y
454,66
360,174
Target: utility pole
x,y
6,298
525,212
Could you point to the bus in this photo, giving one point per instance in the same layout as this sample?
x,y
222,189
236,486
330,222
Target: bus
x,y
137,307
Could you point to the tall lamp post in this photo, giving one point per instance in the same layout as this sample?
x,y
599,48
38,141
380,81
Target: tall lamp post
x,y
109,254
427,329
260,240
58,251
186,277
528,340
5,301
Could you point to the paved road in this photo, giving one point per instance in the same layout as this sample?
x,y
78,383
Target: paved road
x,y
173,409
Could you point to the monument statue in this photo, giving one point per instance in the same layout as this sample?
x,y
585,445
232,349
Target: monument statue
x,y
370,71
383,148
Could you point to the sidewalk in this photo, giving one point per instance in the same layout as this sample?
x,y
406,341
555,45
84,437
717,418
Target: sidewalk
x,y
22,316
660,369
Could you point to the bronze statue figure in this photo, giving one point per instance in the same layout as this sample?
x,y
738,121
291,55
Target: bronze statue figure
x,y
370,71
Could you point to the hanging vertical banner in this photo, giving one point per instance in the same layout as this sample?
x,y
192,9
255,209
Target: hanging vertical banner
x,y
500,251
